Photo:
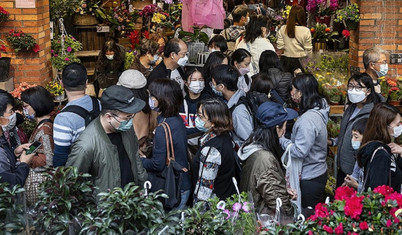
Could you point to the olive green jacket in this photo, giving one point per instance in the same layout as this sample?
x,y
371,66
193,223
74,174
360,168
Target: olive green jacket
x,y
93,153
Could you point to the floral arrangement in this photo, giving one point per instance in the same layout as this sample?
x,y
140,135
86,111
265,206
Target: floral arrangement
x,y
333,128
351,13
286,12
22,41
120,20
149,10
394,90
334,93
61,59
175,13
135,38
129,59
61,8
90,7
322,33
322,7
3,15
16,93
55,88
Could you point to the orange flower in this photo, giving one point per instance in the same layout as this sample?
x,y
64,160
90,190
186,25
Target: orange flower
x,y
312,30
327,30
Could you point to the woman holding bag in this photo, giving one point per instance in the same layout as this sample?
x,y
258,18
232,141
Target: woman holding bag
x,y
166,97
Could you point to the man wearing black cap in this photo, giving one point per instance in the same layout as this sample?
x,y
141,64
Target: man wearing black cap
x,y
108,147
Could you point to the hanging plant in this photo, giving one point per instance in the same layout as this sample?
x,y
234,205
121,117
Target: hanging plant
x,y
3,15
22,41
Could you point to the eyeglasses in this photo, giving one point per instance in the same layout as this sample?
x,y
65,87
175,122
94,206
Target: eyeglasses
x,y
202,116
380,62
115,116
357,88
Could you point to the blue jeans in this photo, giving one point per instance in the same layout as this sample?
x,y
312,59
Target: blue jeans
x,y
184,198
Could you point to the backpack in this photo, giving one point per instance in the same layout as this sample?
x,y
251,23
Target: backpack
x,y
88,116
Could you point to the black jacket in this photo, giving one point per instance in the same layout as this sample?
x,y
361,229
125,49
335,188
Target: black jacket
x,y
160,71
281,81
378,169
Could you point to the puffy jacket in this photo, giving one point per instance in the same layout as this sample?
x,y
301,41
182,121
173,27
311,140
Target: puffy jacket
x,y
263,176
281,81
94,153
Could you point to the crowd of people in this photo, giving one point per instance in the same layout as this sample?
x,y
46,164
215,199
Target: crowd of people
x,y
228,119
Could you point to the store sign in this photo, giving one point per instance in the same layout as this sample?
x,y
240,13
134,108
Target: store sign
x,y
24,3
102,29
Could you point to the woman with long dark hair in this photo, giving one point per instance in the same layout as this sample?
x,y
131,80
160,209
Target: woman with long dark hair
x,y
214,59
294,39
241,60
309,140
381,167
262,171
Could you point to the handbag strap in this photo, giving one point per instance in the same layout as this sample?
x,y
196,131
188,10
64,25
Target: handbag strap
x,y
169,143
368,170
202,169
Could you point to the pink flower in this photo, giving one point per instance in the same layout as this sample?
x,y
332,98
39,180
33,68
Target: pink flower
x,y
363,225
246,207
339,229
389,223
236,206
52,51
69,49
394,197
310,232
226,211
354,206
384,190
66,59
327,229
344,193
56,55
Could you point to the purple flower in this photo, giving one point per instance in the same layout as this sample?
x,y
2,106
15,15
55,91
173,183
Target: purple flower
x,y
69,49
52,51
236,206
246,207
226,211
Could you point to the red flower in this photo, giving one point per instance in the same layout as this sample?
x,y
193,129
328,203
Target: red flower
x,y
354,206
146,34
2,48
312,30
394,197
36,48
384,190
321,211
389,223
339,229
363,225
327,30
346,33
327,229
344,193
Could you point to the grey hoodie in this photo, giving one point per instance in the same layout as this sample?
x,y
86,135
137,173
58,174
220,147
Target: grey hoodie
x,y
309,138
246,152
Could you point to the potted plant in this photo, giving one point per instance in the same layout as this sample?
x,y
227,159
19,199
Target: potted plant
x,y
3,15
394,91
196,42
322,9
350,15
88,12
56,90
19,40
61,58
120,19
322,34
12,220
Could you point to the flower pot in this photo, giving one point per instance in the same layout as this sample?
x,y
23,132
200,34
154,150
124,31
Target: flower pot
x,y
394,102
351,24
4,68
318,46
323,19
85,19
194,48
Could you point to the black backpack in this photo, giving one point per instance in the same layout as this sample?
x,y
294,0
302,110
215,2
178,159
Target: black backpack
x,y
88,116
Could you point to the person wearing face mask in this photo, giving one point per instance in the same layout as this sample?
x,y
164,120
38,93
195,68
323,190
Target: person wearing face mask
x,y
217,43
108,147
376,65
255,40
241,60
166,97
12,171
356,179
175,58
110,65
14,135
147,57
214,59
214,165
361,101
381,166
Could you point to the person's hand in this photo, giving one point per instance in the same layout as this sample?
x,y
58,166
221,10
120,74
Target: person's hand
x,y
351,182
20,149
395,148
26,158
329,142
292,193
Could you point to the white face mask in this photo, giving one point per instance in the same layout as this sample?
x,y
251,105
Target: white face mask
x,y
211,50
12,120
397,131
196,86
356,96
109,57
182,61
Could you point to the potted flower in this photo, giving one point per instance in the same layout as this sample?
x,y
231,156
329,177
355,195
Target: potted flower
x,y
350,15
322,9
60,58
55,89
88,12
3,15
321,35
120,19
394,91
19,40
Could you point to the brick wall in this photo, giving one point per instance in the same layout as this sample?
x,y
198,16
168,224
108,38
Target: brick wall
x,y
29,67
380,24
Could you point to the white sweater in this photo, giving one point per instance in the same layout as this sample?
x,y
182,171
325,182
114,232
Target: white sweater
x,y
298,47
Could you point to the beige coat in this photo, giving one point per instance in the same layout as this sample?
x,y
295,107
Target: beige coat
x,y
297,47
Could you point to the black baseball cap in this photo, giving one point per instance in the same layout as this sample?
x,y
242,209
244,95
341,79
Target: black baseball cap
x,y
121,98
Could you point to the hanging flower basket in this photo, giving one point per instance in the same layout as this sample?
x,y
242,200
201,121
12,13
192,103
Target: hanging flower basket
x,y
351,24
323,19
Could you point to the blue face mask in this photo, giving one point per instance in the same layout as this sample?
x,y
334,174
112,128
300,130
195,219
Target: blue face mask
x,y
27,115
125,125
355,145
383,70
151,103
200,124
218,93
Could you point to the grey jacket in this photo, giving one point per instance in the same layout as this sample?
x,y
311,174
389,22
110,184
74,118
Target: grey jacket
x,y
345,154
309,138
93,153
242,119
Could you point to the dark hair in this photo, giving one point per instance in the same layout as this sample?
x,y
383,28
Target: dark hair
x,y
308,85
39,99
5,99
142,94
239,55
366,80
214,59
267,138
173,45
189,71
377,125
253,28
218,41
268,59
239,12
148,46
360,125
261,83
168,94
74,77
118,57
218,113
226,75
297,16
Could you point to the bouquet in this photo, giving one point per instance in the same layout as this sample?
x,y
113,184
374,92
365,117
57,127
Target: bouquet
x,y
22,41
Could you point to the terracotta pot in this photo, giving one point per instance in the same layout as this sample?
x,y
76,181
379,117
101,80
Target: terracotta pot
x,y
323,19
394,102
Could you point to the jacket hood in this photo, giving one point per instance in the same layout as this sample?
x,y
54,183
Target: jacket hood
x,y
366,152
235,98
247,151
324,111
